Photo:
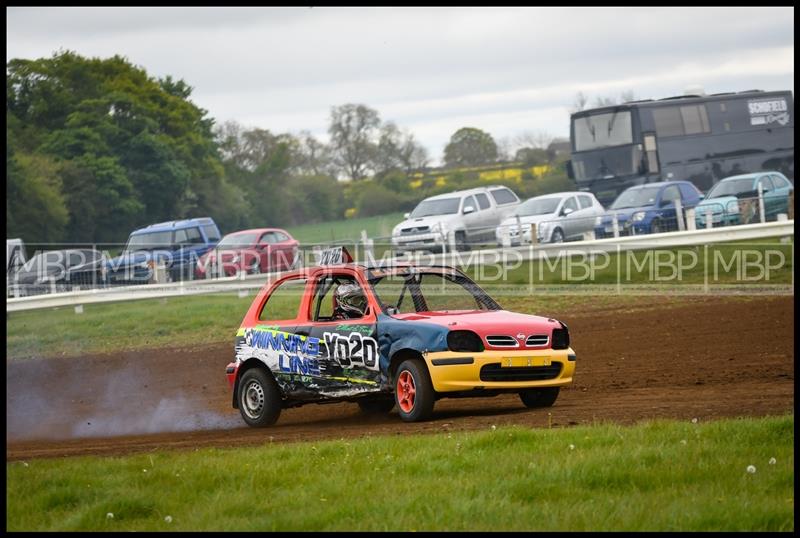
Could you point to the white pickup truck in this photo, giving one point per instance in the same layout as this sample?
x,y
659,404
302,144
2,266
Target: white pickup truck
x,y
459,218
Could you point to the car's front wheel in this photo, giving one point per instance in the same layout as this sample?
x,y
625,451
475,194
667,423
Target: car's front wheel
x,y
413,392
544,397
259,398
558,236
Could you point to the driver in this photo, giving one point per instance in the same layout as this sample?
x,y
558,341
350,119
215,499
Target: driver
x,y
351,302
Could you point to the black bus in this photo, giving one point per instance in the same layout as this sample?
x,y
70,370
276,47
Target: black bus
x,y
692,137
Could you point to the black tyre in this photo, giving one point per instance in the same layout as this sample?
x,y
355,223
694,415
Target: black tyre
x,y
461,242
414,391
259,398
544,397
557,237
376,406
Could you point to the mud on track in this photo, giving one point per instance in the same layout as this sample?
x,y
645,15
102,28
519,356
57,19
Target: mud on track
x,y
701,357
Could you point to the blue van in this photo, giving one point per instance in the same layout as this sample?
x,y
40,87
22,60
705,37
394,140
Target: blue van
x,y
177,245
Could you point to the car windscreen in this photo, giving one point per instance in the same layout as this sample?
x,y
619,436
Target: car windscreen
x,y
238,240
731,188
602,130
149,241
410,290
636,197
443,206
538,206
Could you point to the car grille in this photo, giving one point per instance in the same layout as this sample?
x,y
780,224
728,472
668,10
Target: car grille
x,y
417,230
495,372
537,340
501,340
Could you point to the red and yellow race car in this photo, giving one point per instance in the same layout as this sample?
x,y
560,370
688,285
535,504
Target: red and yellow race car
x,y
386,335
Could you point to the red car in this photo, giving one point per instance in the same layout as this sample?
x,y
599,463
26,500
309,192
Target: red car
x,y
386,335
250,251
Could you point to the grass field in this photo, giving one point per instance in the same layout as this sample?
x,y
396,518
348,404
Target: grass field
x,y
379,226
661,475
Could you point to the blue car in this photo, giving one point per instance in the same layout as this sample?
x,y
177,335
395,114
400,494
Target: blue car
x,y
648,208
733,200
177,245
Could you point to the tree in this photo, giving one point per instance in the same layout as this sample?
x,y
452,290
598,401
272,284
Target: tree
x,y
579,103
352,130
113,129
470,147
312,157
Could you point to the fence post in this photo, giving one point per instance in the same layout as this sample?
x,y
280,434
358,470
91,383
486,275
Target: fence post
x,y
709,218
691,225
368,243
761,214
791,205
451,240
505,236
679,215
52,284
615,225
534,237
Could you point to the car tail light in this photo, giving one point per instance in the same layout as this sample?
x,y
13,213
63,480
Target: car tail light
x,y
464,341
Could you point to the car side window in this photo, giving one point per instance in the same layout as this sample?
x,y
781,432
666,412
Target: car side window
x,y
284,301
324,306
194,236
281,237
766,183
180,237
585,200
670,194
483,201
268,237
570,204
688,192
503,196
779,182
469,201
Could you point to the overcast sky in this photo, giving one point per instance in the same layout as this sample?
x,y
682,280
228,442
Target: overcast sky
x,y
431,71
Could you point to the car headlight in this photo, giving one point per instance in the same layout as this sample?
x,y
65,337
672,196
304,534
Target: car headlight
x,y
464,341
143,265
638,216
235,258
598,221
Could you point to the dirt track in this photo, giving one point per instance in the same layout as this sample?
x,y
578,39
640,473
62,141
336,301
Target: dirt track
x,y
704,358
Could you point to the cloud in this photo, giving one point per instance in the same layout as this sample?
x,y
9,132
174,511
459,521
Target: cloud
x,y
426,69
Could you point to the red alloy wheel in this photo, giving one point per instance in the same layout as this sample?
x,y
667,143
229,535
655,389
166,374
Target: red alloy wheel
x,y
406,390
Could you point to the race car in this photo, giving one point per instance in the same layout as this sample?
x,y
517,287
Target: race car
x,y
383,335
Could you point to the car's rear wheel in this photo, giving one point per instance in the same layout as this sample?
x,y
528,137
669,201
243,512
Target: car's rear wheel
x,y
259,398
376,406
544,397
414,393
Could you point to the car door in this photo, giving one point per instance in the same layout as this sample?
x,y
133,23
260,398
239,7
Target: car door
x,y
772,198
567,220
471,219
488,215
348,346
782,190
285,250
666,207
585,216
266,248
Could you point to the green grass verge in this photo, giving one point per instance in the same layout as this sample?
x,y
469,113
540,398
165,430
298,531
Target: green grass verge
x,y
661,475
349,229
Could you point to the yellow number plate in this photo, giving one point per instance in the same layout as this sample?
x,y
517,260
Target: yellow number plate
x,y
517,362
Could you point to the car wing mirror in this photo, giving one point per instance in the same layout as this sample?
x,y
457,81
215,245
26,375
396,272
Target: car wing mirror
x,y
468,209
566,211
406,215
